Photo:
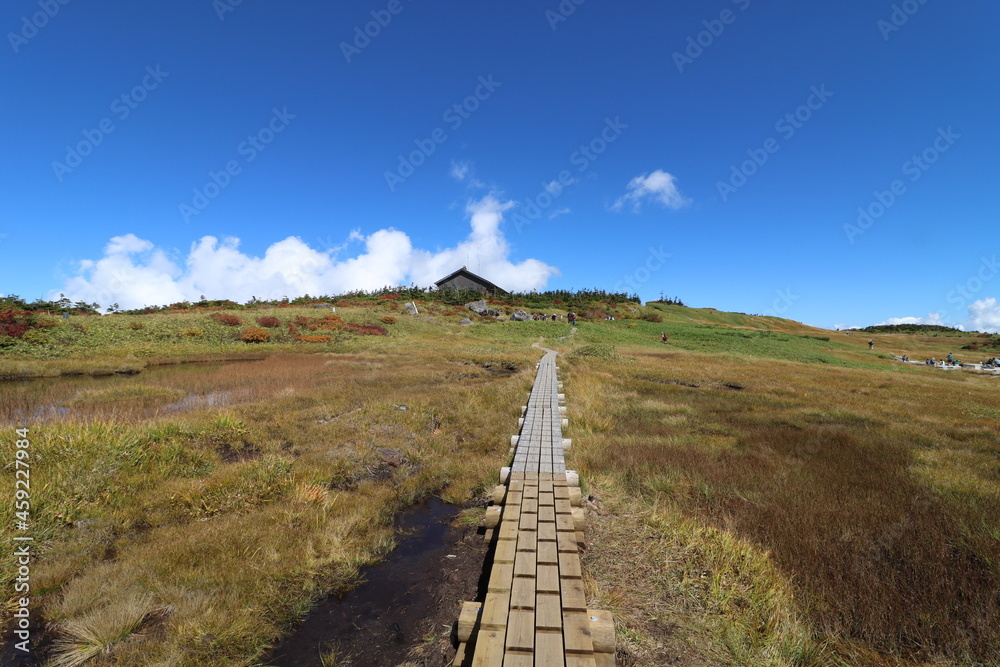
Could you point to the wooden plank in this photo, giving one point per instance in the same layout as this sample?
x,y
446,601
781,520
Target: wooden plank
x,y
495,611
604,659
528,521
489,648
546,499
546,532
548,553
522,593
581,661
508,530
549,648
524,566
602,630
573,597
527,540
548,612
521,630
567,543
505,551
501,576
512,659
565,522
576,634
460,656
547,514
569,566
468,619
547,579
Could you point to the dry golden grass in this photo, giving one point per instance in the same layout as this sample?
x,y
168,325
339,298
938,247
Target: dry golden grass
x,y
867,499
752,511
228,521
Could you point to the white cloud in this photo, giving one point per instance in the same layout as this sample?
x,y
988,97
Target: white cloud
x,y
556,213
932,318
463,172
658,186
459,170
554,187
984,315
134,273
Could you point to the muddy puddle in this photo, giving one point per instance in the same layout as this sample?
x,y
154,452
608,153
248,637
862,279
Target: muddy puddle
x,y
404,611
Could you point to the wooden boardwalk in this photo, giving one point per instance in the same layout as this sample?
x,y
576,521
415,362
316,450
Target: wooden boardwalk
x,y
535,611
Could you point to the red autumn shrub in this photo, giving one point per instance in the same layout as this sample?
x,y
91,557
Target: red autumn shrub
x,y
15,323
228,320
269,322
388,320
366,329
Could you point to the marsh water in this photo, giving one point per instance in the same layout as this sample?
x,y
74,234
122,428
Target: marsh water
x,y
158,390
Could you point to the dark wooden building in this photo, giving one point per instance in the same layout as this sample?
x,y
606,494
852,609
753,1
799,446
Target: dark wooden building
x,y
463,279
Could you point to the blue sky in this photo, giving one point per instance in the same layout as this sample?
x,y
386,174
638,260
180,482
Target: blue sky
x,y
718,151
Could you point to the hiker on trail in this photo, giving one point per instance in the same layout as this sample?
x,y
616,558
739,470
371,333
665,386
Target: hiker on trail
x,y
572,318
951,358
871,344
664,337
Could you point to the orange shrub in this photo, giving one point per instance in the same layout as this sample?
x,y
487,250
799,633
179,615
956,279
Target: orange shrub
x,y
268,321
254,335
388,320
314,339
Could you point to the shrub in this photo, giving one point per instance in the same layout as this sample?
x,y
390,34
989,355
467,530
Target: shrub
x,y
651,317
191,333
269,322
136,326
15,323
36,337
314,339
388,320
254,335
228,320
366,329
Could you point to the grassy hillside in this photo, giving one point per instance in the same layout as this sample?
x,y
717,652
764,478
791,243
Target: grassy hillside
x,y
764,493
